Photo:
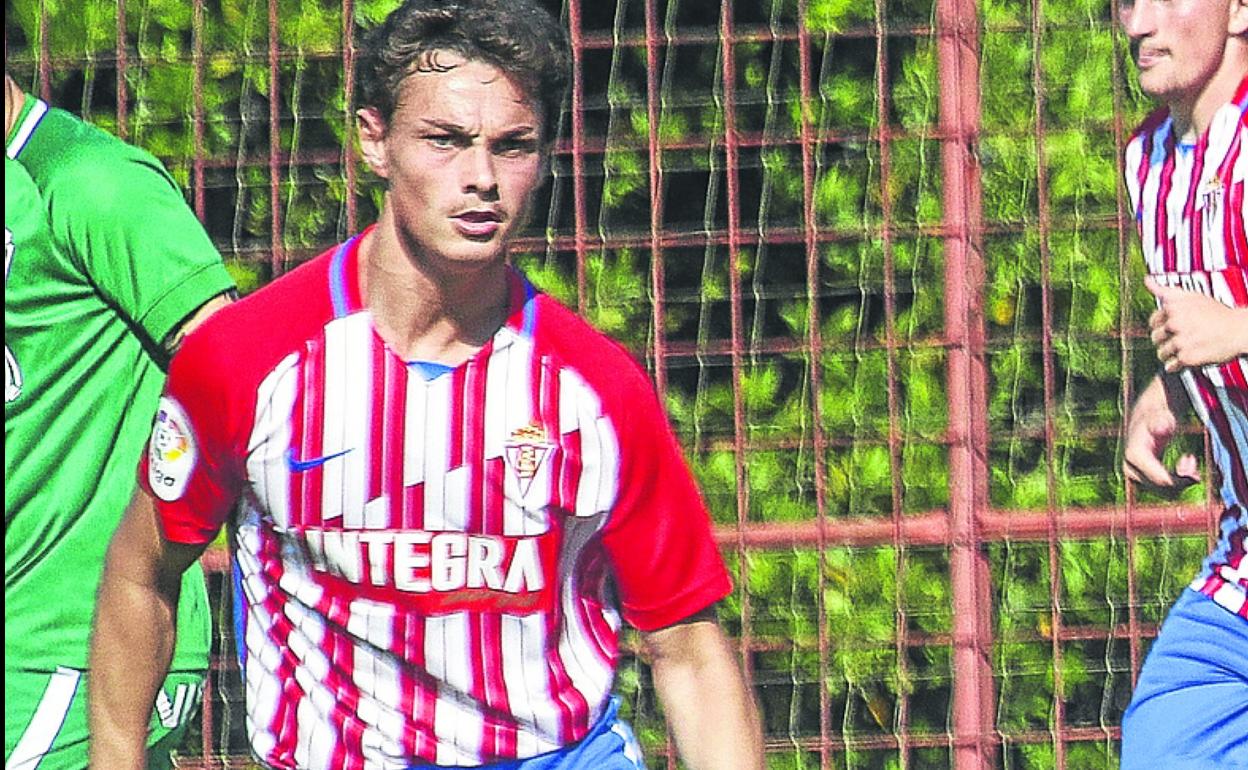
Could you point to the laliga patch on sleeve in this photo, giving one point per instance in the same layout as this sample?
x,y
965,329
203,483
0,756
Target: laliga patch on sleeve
x,y
171,451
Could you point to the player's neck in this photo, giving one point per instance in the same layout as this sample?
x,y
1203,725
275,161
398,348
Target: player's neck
x,y
1192,117
429,317
13,99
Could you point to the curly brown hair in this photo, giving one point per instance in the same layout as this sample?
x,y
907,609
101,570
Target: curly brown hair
x,y
518,36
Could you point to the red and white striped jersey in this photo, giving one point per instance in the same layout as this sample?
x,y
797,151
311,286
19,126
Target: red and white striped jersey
x,y
431,568
1190,207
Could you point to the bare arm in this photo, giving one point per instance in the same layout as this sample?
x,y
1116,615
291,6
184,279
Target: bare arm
x,y
132,639
709,708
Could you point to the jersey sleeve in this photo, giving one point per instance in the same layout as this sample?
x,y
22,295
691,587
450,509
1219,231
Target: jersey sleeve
x,y
123,220
658,538
193,466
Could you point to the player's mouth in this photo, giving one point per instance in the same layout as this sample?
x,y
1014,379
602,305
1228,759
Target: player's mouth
x,y
478,224
1148,57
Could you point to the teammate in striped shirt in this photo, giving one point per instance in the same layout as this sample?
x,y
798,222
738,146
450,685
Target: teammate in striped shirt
x,y
445,492
1186,171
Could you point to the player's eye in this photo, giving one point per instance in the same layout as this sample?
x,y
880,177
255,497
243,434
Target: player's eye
x,y
444,141
516,147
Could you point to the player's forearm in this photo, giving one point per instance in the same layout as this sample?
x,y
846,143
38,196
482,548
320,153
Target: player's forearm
x,y
133,636
709,708
131,648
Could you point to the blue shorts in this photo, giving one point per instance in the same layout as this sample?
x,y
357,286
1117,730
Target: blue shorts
x,y
609,745
1190,707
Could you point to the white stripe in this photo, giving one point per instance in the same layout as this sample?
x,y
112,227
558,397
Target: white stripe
x,y
580,410
501,416
267,467
264,690
457,721
49,716
413,429
526,676
317,735
27,128
455,499
348,410
376,674
1134,157
436,433
1179,226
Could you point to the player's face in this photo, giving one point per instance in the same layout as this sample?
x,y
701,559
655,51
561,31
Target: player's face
x,y
463,154
1178,44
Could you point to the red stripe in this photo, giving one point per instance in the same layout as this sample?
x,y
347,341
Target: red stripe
x,y
569,469
378,419
1194,217
426,692
455,457
1241,93
314,429
284,725
298,434
394,407
1162,216
340,648
474,406
574,711
1235,252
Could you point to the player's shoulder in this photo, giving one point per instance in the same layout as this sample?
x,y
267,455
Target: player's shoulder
x,y
603,363
257,331
67,153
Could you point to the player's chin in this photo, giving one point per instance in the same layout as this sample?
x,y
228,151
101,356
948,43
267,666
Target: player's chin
x,y
471,256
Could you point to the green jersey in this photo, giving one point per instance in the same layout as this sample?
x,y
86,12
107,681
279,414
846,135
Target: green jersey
x,y
103,259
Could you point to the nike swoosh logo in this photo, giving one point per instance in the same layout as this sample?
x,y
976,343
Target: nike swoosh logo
x,y
299,466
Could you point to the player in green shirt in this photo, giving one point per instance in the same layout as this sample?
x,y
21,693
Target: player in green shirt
x,y
106,268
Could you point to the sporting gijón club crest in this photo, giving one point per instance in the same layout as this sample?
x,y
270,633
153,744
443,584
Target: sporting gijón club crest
x,y
526,450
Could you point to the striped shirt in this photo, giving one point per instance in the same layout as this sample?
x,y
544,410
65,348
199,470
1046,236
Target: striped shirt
x,y
1191,209
433,565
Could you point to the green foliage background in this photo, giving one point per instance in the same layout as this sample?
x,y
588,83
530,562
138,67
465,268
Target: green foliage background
x,y
870,596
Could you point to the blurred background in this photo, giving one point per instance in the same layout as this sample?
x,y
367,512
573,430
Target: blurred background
x,y
879,260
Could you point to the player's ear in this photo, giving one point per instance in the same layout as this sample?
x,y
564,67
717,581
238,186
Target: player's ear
x,y
1238,25
373,140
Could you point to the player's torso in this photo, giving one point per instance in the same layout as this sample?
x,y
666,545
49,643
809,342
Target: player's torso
x,y
437,533
1190,200
1191,209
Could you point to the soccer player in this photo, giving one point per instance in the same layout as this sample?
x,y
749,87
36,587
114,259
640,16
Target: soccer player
x,y
1186,169
445,492
105,269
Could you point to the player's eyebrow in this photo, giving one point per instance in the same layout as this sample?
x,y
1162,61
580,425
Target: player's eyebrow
x,y
450,127
447,126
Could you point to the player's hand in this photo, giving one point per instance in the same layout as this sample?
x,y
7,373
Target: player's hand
x,y
1191,329
1150,426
